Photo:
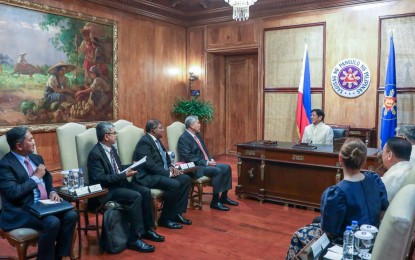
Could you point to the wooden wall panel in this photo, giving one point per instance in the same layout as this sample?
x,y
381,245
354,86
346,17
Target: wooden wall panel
x,y
232,35
351,32
152,69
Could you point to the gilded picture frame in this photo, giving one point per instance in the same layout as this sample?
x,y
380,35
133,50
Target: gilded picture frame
x,y
56,66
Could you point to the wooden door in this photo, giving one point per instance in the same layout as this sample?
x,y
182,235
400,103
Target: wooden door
x,y
242,94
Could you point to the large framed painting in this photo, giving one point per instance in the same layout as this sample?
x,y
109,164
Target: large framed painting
x,y
56,66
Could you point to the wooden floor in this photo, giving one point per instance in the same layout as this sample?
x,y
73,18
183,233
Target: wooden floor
x,y
250,231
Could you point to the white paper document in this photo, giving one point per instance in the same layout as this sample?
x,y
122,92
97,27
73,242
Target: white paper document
x,y
48,201
333,256
336,249
143,160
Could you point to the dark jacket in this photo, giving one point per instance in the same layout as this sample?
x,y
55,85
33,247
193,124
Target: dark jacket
x,y
16,190
154,167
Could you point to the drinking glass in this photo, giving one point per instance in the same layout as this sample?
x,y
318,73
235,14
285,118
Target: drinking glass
x,y
371,229
363,242
64,180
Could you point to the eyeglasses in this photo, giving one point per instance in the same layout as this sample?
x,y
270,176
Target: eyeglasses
x,y
113,133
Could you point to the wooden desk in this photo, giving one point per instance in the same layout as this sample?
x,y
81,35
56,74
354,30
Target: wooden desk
x,y
72,197
282,174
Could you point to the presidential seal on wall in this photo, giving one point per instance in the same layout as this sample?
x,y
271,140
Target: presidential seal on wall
x,y
350,78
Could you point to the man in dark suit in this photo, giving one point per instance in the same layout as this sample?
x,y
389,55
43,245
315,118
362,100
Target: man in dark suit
x,y
104,167
159,173
192,149
25,180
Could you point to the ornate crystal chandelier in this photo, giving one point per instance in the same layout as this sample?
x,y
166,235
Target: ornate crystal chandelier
x,y
240,8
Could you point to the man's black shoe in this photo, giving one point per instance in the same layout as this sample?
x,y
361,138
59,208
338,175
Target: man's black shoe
x,y
170,224
229,202
153,236
219,206
141,246
180,219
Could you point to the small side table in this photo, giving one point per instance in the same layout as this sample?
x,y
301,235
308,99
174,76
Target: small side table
x,y
72,197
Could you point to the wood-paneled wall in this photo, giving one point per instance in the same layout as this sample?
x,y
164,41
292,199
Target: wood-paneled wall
x,y
351,32
151,65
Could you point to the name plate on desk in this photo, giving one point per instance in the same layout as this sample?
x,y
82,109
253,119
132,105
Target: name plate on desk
x,y
184,166
191,164
95,188
82,191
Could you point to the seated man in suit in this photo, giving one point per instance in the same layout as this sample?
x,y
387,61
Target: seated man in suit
x,y
104,167
395,157
192,149
25,180
408,132
159,173
318,132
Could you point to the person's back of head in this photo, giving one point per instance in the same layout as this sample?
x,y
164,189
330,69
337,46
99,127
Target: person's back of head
x,y
399,147
353,153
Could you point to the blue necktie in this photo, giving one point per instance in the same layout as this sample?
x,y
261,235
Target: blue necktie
x,y
162,153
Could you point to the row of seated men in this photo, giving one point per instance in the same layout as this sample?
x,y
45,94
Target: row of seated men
x,y
24,180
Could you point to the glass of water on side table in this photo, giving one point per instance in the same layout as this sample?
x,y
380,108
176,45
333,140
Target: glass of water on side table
x,y
64,180
363,242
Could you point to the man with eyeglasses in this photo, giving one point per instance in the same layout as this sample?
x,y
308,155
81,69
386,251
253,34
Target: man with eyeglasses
x,y
104,167
395,157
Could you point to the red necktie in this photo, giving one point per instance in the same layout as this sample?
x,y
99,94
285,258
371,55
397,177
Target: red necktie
x,y
201,148
40,186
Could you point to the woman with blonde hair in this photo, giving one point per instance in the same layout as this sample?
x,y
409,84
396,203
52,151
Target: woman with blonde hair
x,y
359,196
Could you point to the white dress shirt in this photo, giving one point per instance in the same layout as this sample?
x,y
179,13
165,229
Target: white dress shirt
x,y
318,134
395,176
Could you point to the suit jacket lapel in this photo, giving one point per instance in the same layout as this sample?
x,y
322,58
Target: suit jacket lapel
x,y
17,166
104,155
151,140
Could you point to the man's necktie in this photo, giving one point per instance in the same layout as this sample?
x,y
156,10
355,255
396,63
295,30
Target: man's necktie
x,y
40,186
114,162
162,153
201,148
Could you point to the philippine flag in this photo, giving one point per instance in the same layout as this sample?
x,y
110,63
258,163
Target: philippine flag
x,y
303,117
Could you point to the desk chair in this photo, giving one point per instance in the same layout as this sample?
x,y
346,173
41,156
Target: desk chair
x,y
340,131
396,231
127,138
174,131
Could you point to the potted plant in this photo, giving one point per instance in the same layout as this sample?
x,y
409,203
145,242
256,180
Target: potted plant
x,y
202,109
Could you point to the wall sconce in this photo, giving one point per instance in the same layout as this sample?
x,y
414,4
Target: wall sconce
x,y
192,77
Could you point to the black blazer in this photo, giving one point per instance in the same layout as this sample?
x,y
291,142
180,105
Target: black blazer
x,y
190,151
100,171
16,190
153,169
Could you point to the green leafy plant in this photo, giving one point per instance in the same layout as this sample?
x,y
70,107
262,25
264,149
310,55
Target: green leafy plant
x,y
203,110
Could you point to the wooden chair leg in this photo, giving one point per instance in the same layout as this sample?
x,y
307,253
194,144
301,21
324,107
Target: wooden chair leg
x,y
21,250
74,237
192,198
200,194
155,204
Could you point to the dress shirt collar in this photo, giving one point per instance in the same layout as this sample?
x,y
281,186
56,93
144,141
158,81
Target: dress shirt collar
x,y
154,139
106,148
191,133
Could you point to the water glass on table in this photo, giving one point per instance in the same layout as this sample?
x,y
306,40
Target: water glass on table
x,y
363,242
64,180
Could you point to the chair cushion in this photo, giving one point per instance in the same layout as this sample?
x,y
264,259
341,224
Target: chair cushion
x,y
397,227
203,179
156,193
23,234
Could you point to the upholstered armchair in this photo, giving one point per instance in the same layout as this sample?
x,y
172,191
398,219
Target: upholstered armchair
x,y
174,131
67,147
340,131
120,124
127,139
4,146
85,141
397,228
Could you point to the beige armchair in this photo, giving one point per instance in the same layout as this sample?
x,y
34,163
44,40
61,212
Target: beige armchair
x,y
397,228
120,124
67,146
4,146
85,141
174,131
127,139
